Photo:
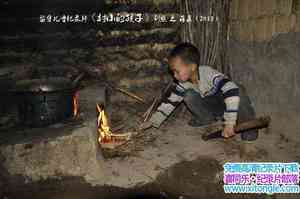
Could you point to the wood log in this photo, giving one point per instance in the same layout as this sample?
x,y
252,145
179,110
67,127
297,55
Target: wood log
x,y
215,130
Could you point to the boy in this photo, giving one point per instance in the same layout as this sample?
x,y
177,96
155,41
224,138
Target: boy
x,y
208,94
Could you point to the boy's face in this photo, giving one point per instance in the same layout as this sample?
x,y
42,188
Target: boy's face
x,y
182,71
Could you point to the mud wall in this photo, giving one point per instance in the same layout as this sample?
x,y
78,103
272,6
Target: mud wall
x,y
270,72
262,20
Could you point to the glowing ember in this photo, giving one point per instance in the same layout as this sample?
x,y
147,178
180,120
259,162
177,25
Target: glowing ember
x,y
75,104
106,137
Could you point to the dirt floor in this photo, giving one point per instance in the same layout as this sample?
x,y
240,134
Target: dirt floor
x,y
177,164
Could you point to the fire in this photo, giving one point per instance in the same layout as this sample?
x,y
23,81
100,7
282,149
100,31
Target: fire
x,y
75,104
106,137
102,124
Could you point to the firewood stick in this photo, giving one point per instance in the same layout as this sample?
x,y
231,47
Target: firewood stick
x,y
150,110
215,131
146,114
117,128
151,107
131,95
156,101
109,85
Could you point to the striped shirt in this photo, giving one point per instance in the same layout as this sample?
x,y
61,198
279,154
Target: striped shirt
x,y
210,82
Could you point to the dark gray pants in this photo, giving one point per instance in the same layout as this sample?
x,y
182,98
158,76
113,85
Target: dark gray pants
x,y
209,109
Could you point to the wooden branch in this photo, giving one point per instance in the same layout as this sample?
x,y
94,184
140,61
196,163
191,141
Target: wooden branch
x,y
215,130
117,128
150,109
210,38
156,102
131,95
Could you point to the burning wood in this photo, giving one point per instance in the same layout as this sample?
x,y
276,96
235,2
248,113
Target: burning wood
x,y
106,138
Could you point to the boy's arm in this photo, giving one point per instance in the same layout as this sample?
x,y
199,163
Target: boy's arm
x,y
167,106
231,98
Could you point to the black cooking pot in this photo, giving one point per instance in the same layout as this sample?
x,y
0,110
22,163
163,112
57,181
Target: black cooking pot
x,y
42,102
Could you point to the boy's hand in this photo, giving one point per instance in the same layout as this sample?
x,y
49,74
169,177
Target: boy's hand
x,y
228,131
145,125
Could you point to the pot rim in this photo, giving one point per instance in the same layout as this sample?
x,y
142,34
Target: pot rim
x,y
53,84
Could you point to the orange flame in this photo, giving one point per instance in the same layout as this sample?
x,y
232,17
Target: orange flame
x,y
102,124
75,104
107,138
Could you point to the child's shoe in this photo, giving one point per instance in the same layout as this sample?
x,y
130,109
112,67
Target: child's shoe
x,y
249,135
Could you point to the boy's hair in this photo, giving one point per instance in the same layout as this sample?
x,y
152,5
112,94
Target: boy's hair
x,y
187,52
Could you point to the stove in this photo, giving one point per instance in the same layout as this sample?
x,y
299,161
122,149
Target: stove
x,y
42,102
